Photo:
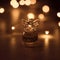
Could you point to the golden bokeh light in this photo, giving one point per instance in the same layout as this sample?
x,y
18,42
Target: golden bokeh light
x,y
47,32
27,2
30,16
33,1
2,10
14,4
13,28
41,17
22,2
59,24
46,8
58,14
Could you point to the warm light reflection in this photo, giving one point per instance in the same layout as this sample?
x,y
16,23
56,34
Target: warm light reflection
x,y
46,39
13,28
45,8
58,14
30,16
14,4
46,32
43,36
41,17
22,2
59,24
46,42
33,1
2,10
13,41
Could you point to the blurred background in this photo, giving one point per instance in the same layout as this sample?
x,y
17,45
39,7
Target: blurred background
x,y
38,20
12,12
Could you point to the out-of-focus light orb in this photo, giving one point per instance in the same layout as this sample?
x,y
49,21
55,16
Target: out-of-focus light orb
x,y
47,32
58,14
59,24
46,8
22,2
27,2
30,16
41,16
2,10
14,4
33,1
13,28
